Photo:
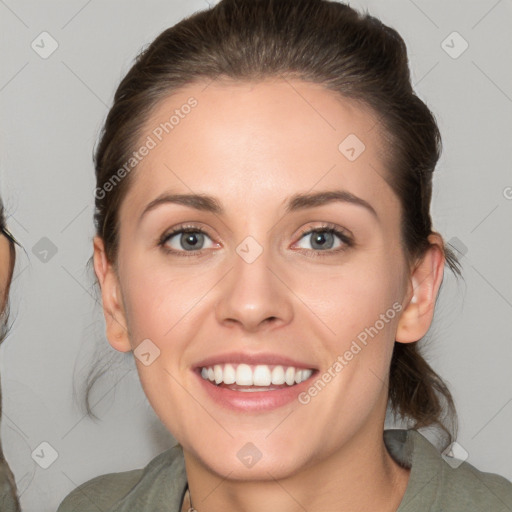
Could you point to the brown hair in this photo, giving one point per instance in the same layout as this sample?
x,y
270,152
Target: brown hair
x,y
324,42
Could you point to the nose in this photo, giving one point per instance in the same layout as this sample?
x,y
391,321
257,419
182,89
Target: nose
x,y
254,295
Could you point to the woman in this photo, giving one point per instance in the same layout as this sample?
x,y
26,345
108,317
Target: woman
x,y
8,494
265,248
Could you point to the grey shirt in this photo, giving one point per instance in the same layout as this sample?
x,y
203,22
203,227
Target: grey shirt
x,y
434,485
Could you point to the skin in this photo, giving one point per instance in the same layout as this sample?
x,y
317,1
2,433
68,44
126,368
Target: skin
x,y
5,269
252,145
7,482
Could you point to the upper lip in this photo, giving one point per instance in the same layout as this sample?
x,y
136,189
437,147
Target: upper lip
x,y
253,359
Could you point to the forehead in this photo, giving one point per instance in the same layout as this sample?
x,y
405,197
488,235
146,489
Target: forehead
x,y
261,141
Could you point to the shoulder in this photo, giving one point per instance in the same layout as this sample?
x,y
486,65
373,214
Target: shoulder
x,y
473,489
441,482
105,491
100,492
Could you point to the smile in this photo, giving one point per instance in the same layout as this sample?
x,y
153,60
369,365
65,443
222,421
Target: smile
x,y
261,377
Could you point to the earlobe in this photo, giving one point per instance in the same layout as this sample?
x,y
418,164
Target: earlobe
x,y
113,308
424,285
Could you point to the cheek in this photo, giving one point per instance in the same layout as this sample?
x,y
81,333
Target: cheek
x,y
362,314
353,298
160,307
359,308
157,299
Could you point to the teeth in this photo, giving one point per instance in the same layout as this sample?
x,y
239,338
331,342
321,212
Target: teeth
x,y
244,375
229,374
260,375
278,375
217,372
289,376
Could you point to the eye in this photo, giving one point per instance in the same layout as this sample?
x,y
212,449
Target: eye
x,y
189,240
323,239
185,239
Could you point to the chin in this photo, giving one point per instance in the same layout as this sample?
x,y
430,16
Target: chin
x,y
245,460
273,468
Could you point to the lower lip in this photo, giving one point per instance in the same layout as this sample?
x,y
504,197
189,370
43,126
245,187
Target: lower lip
x,y
253,400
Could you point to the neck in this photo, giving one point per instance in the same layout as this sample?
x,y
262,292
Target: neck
x,y
360,476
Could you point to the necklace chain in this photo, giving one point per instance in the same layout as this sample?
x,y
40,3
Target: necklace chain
x,y
191,508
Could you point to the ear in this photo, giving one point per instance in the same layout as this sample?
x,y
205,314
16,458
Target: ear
x,y
424,284
113,308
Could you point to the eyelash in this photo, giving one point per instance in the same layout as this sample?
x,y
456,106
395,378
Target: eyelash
x,y
324,228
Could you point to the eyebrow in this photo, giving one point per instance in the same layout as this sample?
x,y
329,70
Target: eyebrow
x,y
297,202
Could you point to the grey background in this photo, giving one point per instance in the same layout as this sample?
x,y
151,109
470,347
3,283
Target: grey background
x,y
51,113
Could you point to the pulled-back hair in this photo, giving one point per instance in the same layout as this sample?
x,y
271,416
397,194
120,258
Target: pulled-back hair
x,y
327,43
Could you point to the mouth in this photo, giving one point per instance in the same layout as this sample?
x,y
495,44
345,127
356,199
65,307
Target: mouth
x,y
257,388
253,378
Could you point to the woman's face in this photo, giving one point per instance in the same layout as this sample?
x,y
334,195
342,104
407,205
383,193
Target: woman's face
x,y
5,268
248,290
